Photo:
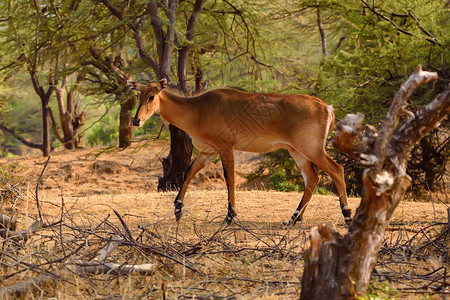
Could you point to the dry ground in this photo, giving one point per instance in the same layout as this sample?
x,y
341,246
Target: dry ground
x,y
254,258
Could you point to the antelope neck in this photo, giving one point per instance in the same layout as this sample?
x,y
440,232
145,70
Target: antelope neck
x,y
174,109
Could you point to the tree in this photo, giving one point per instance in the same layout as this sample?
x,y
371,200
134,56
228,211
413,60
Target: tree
x,y
25,33
370,46
33,30
70,120
164,34
339,267
115,70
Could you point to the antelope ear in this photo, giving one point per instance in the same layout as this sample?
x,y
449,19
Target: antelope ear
x,y
133,85
162,83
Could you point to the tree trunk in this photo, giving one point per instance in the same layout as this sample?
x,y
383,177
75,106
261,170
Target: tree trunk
x,y
65,119
181,145
46,143
178,160
125,127
341,266
320,283
426,146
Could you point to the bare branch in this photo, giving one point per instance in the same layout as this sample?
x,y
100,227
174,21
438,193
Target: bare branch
x,y
425,120
432,39
184,51
350,139
386,18
322,33
12,131
144,54
157,28
24,234
398,109
7,223
116,268
54,126
108,249
166,63
112,9
38,205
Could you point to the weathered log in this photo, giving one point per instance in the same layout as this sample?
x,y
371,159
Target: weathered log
x,y
7,222
99,266
24,235
108,249
115,268
21,289
350,139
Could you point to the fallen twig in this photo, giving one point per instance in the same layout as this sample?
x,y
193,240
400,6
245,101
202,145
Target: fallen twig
x,y
37,189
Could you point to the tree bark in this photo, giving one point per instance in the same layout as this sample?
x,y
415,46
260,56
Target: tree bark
x,y
70,120
321,283
46,143
178,160
126,128
65,119
385,155
45,98
109,66
323,36
181,145
184,51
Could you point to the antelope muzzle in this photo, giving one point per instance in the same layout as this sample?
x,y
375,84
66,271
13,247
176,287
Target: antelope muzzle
x,y
136,121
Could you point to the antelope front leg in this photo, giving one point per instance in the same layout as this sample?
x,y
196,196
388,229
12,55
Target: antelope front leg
x,y
228,172
199,163
311,180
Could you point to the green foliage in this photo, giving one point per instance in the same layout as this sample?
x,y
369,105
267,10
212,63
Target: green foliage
x,y
153,127
105,131
279,182
19,112
369,58
380,291
375,57
283,173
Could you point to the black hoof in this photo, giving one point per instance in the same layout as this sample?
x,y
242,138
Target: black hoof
x,y
178,206
287,223
294,219
178,216
228,220
230,216
347,212
348,221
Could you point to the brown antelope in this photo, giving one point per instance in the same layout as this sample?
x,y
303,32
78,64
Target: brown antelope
x,y
222,120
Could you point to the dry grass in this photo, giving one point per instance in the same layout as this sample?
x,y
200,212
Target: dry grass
x,y
254,258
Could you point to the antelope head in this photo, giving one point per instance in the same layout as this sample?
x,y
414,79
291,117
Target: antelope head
x,y
148,99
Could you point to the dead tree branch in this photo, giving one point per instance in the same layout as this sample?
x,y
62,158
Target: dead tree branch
x,y
20,289
12,131
7,223
385,181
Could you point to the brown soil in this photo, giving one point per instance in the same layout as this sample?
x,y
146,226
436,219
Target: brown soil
x,y
102,179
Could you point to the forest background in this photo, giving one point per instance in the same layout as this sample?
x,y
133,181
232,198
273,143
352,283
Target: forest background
x,y
64,66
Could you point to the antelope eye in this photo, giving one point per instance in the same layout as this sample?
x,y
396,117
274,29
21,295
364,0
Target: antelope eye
x,y
151,98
